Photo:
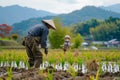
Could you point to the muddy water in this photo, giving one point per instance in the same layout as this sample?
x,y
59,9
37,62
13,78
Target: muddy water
x,y
33,74
21,71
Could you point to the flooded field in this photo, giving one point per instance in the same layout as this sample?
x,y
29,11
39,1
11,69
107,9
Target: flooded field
x,y
74,65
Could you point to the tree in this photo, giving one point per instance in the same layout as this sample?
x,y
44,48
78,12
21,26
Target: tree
x,y
4,30
106,31
15,36
77,41
84,27
56,38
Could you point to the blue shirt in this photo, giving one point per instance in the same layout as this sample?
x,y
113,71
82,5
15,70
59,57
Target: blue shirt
x,y
40,30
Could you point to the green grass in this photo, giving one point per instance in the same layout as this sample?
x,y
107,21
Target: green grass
x,y
6,39
7,42
56,56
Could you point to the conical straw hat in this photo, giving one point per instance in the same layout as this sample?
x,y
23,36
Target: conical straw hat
x,y
67,36
50,22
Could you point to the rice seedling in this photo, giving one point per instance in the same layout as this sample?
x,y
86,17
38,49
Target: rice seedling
x,y
95,78
52,58
70,58
10,74
72,72
41,71
50,75
61,58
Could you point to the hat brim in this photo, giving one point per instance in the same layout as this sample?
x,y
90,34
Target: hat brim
x,y
50,23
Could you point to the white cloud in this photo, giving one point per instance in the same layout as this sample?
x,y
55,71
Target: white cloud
x,y
68,1
110,2
58,6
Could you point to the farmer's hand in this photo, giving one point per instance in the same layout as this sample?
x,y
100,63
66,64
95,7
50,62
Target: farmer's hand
x,y
23,42
46,51
39,45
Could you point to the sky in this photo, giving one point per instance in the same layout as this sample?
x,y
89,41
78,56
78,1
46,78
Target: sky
x,y
58,6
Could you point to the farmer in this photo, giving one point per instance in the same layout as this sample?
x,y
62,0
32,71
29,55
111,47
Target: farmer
x,y
66,44
36,37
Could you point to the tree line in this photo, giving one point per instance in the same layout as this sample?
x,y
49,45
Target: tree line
x,y
99,30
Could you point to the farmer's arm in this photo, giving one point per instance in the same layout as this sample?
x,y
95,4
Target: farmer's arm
x,y
44,41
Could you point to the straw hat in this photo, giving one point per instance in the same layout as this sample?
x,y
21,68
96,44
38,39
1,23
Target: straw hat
x,y
67,36
49,22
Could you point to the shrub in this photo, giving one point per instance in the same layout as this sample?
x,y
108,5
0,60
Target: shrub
x,y
15,36
77,41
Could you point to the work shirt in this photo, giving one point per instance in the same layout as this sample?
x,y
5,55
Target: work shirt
x,y
67,42
40,30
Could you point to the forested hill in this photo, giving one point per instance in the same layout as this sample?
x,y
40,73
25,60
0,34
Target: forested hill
x,y
77,16
15,13
87,13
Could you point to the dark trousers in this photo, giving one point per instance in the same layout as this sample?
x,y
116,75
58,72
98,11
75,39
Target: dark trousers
x,y
33,52
66,47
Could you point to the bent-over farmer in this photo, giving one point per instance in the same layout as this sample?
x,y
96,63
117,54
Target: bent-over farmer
x,y
37,36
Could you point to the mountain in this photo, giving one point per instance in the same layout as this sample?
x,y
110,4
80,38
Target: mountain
x,y
15,13
22,27
84,14
114,8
